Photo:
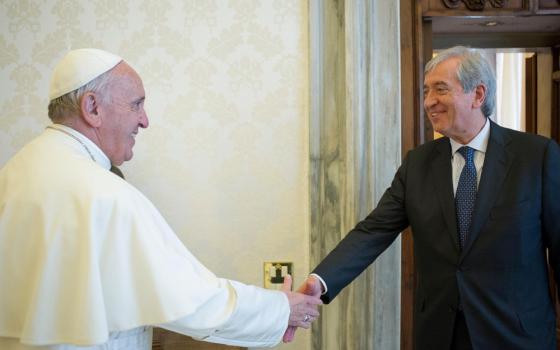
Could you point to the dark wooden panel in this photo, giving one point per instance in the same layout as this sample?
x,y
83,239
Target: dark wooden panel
x,y
415,49
167,340
408,285
555,115
531,94
496,40
474,8
548,6
411,86
555,122
531,126
427,54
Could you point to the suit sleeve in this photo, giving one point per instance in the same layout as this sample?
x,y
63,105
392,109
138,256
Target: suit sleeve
x,y
363,244
551,207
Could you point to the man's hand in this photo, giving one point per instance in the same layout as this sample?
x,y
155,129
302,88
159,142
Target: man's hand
x,y
311,287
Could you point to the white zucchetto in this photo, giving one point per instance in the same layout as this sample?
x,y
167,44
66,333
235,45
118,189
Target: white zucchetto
x,y
78,68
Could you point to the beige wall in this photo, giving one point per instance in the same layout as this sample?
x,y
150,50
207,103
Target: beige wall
x,y
225,156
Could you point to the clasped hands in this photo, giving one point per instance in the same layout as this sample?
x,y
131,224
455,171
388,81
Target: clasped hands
x,y
303,305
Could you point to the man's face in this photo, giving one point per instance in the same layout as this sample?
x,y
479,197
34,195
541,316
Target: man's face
x,y
123,114
451,111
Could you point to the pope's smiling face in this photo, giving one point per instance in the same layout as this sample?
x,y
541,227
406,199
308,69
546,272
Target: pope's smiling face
x,y
451,110
123,114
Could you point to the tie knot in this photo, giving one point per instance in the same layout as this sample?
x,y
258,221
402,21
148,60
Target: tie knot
x,y
467,153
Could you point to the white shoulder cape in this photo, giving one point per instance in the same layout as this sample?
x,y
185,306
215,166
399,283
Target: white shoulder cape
x,y
83,253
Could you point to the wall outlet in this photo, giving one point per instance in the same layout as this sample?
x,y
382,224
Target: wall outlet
x,y
274,272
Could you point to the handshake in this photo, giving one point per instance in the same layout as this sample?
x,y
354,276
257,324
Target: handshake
x,y
303,304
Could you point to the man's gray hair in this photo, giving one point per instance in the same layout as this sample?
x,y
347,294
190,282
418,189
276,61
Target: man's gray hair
x,y
68,105
473,70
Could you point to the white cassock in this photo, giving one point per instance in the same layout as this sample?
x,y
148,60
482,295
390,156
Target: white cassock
x,y
86,259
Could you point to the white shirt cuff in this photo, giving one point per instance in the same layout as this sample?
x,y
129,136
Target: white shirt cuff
x,y
322,282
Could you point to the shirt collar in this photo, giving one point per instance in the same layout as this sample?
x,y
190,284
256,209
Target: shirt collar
x,y
97,154
479,143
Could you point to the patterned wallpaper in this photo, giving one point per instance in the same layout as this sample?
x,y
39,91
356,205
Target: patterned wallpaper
x,y
225,156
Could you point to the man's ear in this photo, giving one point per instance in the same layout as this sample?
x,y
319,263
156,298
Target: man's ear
x,y
479,96
89,106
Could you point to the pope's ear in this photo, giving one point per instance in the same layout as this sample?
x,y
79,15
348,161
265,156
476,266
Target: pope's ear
x,y
479,95
89,106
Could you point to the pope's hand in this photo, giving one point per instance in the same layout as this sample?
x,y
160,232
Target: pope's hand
x,y
312,290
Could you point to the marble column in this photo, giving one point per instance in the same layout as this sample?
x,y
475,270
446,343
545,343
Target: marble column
x,y
355,143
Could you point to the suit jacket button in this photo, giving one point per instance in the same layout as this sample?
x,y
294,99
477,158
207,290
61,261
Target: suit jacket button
x,y
452,309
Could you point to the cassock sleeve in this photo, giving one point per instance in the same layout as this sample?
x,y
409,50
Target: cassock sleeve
x,y
236,317
153,276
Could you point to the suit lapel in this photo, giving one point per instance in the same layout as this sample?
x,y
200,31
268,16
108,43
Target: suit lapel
x,y
441,176
497,162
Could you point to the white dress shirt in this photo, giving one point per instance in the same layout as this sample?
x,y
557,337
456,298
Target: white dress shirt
x,y
479,144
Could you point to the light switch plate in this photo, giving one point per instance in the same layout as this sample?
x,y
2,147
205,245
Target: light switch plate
x,y
274,272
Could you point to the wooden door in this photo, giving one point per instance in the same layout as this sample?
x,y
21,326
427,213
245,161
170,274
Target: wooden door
x,y
531,70
416,44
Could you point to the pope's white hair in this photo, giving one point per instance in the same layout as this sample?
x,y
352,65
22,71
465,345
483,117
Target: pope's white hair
x,y
68,105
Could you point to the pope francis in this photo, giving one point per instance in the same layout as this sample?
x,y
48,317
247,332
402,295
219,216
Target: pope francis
x,y
86,261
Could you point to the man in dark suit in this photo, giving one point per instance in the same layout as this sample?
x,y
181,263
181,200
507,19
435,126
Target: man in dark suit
x,y
483,217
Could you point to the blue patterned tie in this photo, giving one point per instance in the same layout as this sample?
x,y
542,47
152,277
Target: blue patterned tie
x,y
466,194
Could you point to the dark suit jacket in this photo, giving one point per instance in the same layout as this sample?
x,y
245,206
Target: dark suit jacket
x,y
500,278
